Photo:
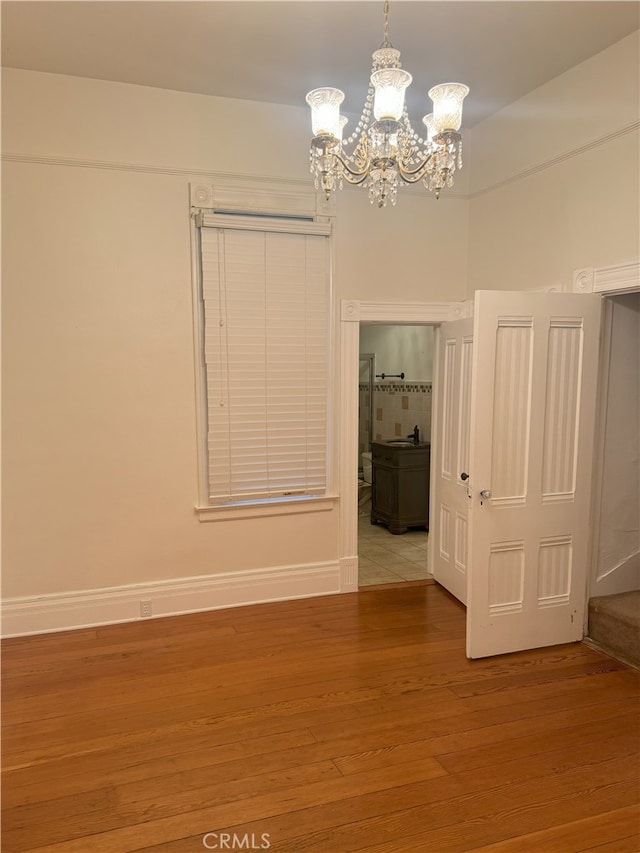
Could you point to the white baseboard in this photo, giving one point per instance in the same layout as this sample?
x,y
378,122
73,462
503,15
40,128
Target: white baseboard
x,y
349,574
90,608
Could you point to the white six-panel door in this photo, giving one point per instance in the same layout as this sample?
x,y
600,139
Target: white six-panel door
x,y
532,413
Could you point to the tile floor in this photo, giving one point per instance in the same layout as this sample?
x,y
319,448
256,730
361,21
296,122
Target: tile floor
x,y
386,557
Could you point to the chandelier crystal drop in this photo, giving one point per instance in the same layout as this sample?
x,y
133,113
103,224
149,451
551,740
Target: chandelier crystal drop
x,y
384,151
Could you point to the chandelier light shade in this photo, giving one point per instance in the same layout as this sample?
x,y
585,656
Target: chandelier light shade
x,y
384,151
325,111
389,85
447,105
428,122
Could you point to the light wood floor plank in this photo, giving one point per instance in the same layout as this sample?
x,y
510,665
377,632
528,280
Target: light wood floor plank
x,y
425,806
342,724
609,833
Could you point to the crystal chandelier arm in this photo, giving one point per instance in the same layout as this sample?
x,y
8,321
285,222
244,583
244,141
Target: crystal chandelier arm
x,y
412,176
414,161
355,180
352,175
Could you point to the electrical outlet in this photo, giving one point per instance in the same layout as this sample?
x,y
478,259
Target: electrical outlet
x,y
145,608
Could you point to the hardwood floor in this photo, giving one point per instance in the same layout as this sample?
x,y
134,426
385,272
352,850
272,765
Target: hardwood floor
x,y
334,724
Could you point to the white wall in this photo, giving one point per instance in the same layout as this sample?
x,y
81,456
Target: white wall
x,y
555,178
415,251
100,456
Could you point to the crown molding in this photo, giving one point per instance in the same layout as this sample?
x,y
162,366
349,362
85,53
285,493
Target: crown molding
x,y
249,180
554,161
229,178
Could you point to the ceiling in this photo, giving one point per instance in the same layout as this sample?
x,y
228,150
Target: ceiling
x,y
278,51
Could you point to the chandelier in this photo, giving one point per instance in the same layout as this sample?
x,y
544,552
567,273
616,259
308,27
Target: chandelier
x,y
385,152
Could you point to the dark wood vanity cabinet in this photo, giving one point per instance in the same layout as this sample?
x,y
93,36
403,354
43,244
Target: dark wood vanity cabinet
x,y
400,485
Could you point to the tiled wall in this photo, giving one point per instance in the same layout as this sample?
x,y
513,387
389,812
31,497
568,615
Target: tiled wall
x,y
397,408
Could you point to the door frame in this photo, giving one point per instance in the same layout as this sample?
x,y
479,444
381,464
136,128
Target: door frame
x,y
352,313
609,280
615,280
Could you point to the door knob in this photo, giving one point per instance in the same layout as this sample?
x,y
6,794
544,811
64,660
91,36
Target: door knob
x,y
464,476
485,493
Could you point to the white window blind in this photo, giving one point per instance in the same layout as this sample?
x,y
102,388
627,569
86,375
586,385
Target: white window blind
x,y
266,304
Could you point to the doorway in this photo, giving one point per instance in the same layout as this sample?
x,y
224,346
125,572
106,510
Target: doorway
x,y
352,314
394,401
616,535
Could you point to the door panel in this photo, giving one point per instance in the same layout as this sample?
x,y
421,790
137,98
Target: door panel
x,y
532,422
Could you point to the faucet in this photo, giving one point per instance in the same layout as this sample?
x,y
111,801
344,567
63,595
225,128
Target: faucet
x,y
415,435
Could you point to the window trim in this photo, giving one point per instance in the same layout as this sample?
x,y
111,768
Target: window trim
x,y
267,507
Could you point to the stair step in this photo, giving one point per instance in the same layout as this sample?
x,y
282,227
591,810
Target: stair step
x,y
614,624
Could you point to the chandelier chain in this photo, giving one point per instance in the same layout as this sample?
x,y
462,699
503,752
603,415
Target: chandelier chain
x,y
386,42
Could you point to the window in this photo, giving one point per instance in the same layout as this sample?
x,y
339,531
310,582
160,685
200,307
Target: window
x,y
265,291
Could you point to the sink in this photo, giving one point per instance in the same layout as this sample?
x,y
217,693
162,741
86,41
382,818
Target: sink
x,y
400,442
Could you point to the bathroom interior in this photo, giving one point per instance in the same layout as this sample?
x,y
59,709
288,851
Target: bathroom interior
x,y
394,442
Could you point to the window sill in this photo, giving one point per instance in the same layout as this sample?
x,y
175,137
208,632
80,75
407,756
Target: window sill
x,y
263,509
